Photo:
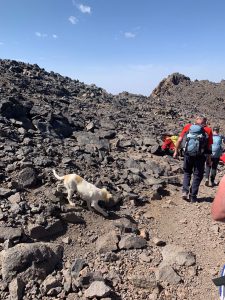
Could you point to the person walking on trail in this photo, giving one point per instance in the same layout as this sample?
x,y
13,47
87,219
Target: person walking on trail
x,y
196,140
218,205
217,150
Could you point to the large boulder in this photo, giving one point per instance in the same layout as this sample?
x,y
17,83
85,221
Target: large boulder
x,y
10,233
42,258
173,254
132,241
107,242
61,126
40,232
27,177
12,108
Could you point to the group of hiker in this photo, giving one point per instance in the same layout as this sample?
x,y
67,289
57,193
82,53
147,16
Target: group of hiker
x,y
201,148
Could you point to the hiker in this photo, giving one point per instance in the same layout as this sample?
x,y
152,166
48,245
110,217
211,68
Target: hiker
x,y
169,142
217,150
218,205
196,140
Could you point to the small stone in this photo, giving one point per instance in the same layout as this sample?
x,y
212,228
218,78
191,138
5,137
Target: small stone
x,y
132,242
107,242
97,289
77,266
144,233
168,275
144,257
15,198
158,242
66,240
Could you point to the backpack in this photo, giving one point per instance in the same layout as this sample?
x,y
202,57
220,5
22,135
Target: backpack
x,y
217,146
174,139
195,141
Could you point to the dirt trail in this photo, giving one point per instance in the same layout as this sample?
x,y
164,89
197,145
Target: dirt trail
x,y
174,221
190,225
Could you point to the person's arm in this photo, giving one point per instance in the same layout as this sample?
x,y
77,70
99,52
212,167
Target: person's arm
x,y
178,143
177,146
218,205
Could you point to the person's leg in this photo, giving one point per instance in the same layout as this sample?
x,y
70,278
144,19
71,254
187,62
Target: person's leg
x,y
199,165
157,150
215,162
207,173
187,168
170,152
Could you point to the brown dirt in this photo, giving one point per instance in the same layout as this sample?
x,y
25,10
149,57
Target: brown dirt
x,y
176,222
190,225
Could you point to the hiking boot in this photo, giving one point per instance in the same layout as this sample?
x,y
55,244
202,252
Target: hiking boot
x,y
207,182
213,184
185,196
193,199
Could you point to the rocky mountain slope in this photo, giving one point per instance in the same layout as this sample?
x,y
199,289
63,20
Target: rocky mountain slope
x,y
193,97
50,250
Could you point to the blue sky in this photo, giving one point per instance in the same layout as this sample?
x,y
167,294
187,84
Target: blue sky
x,y
119,45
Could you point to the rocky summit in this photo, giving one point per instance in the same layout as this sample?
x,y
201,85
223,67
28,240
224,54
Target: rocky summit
x,y
153,245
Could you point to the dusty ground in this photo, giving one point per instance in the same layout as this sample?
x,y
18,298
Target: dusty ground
x,y
190,225
173,220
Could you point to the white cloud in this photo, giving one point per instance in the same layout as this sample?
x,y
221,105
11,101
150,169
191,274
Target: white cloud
x,y
129,35
73,20
55,36
84,9
41,35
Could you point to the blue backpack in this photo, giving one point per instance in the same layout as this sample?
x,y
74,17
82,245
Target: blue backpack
x,y
217,146
196,141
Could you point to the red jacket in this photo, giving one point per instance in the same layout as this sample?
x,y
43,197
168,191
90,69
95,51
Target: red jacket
x,y
168,144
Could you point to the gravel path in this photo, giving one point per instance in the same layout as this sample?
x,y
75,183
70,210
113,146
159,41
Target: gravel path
x,y
190,225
